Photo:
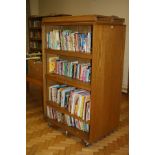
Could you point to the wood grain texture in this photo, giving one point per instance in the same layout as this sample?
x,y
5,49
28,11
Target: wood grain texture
x,y
84,19
44,69
35,69
34,81
69,81
107,67
44,140
69,54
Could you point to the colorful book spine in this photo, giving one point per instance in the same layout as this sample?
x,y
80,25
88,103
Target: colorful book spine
x,y
66,119
73,69
69,40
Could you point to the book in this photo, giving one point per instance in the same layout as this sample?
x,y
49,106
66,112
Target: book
x,y
69,40
63,94
52,64
53,92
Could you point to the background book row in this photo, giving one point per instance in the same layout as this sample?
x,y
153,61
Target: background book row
x,y
76,101
34,44
73,69
35,34
68,40
35,23
66,119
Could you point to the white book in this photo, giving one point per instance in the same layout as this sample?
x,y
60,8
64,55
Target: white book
x,y
63,93
50,91
74,99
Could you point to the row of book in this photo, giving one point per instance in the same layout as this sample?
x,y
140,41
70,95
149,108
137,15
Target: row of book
x,y
35,34
73,69
76,101
68,40
66,119
35,23
34,44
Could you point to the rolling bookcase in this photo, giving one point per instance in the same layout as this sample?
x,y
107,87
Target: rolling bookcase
x,y
106,58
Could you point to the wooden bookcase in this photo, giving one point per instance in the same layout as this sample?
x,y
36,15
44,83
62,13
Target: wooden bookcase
x,y
34,67
106,58
35,42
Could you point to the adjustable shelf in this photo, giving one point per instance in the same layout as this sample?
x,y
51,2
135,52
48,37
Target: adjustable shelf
x,y
64,111
69,81
69,54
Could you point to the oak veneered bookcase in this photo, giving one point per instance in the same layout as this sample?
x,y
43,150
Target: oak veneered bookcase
x,y
106,58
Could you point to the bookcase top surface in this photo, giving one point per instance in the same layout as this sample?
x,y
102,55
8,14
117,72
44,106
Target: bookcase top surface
x,y
84,19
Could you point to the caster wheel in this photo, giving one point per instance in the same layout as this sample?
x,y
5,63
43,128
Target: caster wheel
x,y
86,143
49,124
66,132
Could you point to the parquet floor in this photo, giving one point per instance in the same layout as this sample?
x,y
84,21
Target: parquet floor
x,y
44,140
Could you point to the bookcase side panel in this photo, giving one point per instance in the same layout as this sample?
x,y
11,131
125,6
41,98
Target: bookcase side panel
x,y
107,67
44,69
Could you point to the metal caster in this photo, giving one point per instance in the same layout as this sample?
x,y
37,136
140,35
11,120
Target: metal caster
x,y
86,143
49,124
66,132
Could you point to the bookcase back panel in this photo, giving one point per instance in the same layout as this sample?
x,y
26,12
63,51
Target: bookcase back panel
x,y
107,67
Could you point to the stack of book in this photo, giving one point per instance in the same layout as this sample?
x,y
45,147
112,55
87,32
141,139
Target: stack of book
x,y
76,101
73,69
79,104
66,119
35,34
35,45
68,40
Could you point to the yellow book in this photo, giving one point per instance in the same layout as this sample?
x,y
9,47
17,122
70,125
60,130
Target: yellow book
x,y
81,106
52,64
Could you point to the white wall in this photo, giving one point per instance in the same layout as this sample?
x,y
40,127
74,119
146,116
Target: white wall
x,y
34,7
104,7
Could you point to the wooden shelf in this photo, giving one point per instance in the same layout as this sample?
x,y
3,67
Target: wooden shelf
x,y
35,39
35,49
69,81
69,53
35,28
63,110
72,130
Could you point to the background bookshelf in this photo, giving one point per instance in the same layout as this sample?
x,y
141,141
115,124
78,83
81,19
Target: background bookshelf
x,y
35,34
100,43
34,54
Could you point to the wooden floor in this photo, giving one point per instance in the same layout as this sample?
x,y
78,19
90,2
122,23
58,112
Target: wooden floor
x,y
44,140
